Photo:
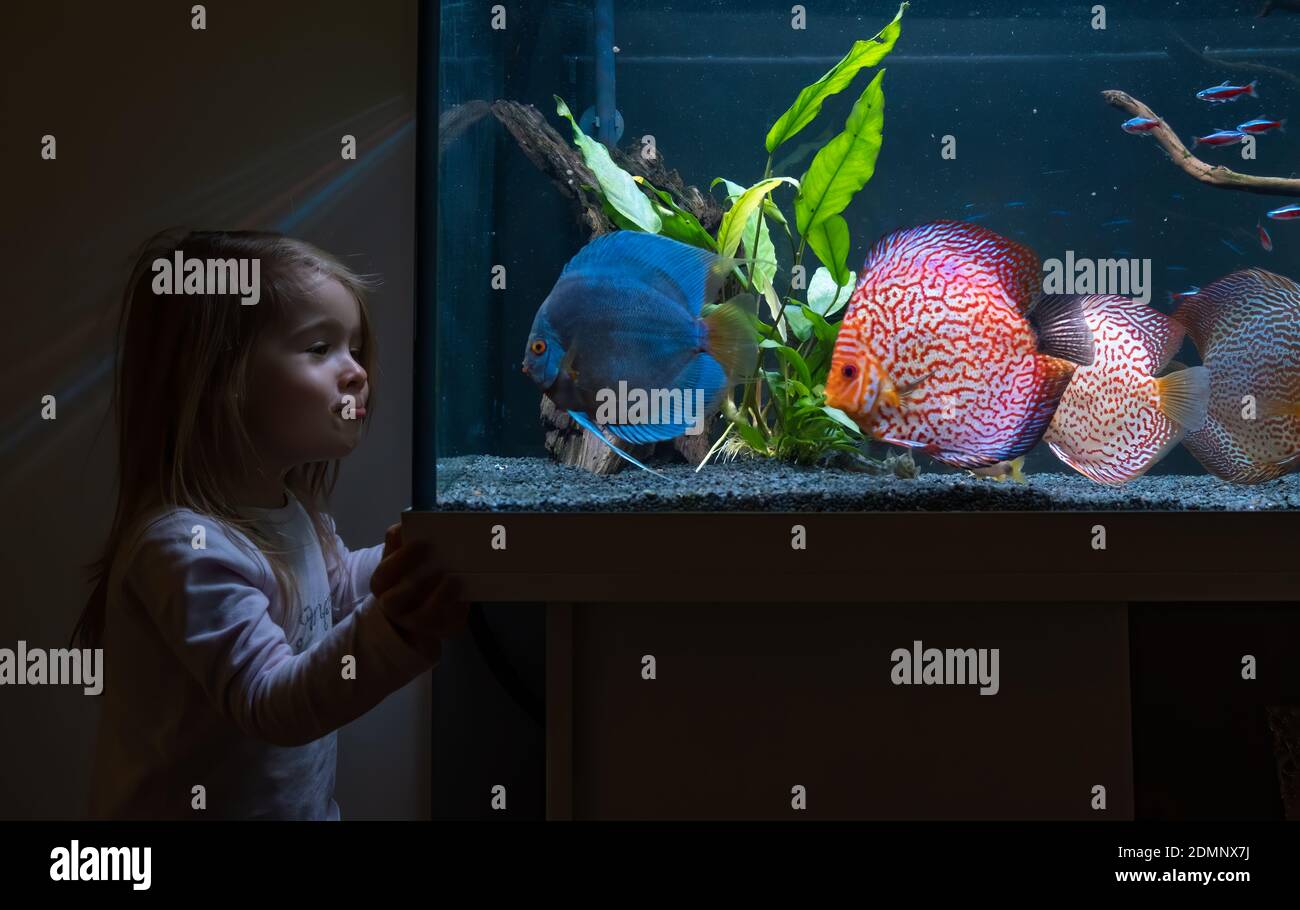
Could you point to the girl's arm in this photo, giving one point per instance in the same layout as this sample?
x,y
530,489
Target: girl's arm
x,y
215,618
350,577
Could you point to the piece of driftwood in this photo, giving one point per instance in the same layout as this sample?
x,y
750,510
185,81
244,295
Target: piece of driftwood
x,y
562,163
1209,174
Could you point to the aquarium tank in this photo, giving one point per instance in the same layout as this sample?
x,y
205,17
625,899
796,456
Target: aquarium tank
x,y
936,256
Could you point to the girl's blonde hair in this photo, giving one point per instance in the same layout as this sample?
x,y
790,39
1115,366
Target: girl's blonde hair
x,y
181,391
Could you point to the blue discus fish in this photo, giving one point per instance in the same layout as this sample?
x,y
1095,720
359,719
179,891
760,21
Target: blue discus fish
x,y
623,321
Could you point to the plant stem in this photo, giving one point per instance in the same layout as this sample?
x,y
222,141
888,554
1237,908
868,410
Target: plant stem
x,y
717,445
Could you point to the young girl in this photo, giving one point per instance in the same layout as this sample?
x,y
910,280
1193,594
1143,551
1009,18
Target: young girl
x,y
239,633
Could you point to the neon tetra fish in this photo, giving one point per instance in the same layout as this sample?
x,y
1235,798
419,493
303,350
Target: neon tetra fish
x,y
1247,327
942,350
1116,418
1227,92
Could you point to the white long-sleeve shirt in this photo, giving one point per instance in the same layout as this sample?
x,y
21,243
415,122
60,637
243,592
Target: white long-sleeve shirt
x,y
203,688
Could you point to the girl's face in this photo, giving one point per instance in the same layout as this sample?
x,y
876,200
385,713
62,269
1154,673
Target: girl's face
x,y
301,374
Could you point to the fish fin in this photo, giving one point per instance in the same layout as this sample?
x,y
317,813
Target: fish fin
x,y
590,426
704,371
1018,470
908,388
566,362
1184,397
1017,267
647,434
1250,89
731,337
1271,407
1061,328
687,275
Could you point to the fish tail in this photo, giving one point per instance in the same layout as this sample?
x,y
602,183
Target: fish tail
x,y
1184,397
732,338
1269,407
1250,89
1017,469
1062,329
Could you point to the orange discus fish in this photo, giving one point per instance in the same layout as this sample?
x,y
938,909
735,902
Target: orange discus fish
x,y
1247,327
941,348
1116,418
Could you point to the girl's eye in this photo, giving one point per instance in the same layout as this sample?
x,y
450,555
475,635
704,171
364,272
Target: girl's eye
x,y
848,371
538,347
318,349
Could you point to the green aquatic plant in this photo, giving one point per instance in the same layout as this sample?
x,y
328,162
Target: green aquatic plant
x,y
782,412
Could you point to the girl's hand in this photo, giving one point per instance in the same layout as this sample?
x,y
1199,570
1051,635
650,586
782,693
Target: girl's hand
x,y
421,602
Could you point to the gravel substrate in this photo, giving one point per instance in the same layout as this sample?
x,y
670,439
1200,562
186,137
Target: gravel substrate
x,y
486,483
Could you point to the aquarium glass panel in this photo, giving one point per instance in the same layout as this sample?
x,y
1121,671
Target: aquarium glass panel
x,y
943,256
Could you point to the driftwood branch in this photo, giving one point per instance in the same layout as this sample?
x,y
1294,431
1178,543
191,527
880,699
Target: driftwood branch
x,y
562,163
1209,174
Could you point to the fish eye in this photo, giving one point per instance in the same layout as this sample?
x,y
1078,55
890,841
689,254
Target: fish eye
x,y
848,371
538,346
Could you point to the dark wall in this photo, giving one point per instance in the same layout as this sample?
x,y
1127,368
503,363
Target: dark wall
x,y
157,125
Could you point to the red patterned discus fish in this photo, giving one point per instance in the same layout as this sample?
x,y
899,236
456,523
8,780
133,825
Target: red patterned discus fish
x,y
1247,327
1116,418
939,350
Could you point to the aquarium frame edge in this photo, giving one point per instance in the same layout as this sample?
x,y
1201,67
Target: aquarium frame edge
x,y
1209,557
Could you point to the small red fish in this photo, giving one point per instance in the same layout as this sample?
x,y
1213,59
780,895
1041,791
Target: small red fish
x,y
1260,125
1264,240
1220,137
943,349
1226,92
1175,296
1285,213
1139,125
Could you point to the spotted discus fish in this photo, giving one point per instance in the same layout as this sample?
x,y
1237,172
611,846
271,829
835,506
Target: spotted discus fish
x,y
942,350
1247,327
1116,418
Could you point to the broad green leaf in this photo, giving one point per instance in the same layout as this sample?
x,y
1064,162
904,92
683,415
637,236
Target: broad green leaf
x,y
764,254
774,307
825,332
846,163
678,223
799,323
809,102
751,436
616,184
840,417
731,230
829,239
796,363
825,296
